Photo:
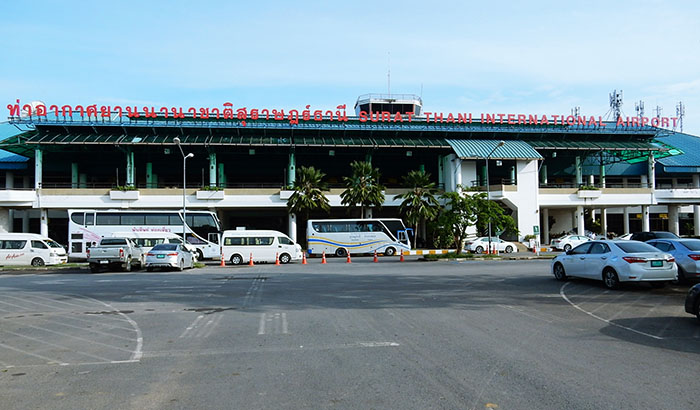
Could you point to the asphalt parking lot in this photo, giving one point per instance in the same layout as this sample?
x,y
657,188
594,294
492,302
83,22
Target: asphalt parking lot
x,y
459,334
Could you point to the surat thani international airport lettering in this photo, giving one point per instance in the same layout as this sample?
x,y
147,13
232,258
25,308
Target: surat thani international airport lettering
x,y
227,112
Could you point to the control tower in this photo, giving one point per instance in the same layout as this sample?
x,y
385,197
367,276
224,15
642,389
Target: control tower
x,y
393,103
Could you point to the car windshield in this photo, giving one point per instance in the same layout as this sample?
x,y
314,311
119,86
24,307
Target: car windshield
x,y
667,235
692,244
53,244
116,241
635,247
165,247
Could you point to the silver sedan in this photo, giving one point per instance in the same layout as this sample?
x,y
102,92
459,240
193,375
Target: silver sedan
x,y
169,255
614,262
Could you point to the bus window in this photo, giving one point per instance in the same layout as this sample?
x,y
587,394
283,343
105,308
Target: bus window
x,y
78,217
104,218
89,218
157,219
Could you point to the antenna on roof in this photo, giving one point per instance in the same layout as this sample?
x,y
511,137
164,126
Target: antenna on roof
x,y
576,111
658,110
680,113
615,105
639,108
388,72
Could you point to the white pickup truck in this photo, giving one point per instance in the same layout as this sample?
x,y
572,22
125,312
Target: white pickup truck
x,y
120,253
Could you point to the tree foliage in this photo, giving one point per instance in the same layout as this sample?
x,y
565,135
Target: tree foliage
x,y
459,213
308,192
490,210
419,203
362,188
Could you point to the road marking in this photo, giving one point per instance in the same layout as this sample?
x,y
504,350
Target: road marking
x,y
377,344
563,295
104,359
525,313
278,322
48,359
192,326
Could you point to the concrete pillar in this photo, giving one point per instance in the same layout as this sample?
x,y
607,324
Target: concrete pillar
x,y
441,173
673,223
5,221
645,218
512,175
626,220
543,175
212,169
149,175
368,212
291,169
368,157
602,176
579,176
604,222
580,227
82,180
221,176
591,180
545,225
130,169
74,175
9,180
458,173
644,181
38,167
293,227
652,172
25,221
44,222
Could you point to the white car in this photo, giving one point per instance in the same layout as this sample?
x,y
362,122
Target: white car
x,y
614,262
625,237
568,242
169,255
479,245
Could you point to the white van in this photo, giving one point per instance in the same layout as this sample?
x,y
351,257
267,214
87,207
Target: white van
x,y
30,249
264,246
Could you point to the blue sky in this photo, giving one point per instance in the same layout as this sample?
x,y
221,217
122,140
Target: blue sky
x,y
539,57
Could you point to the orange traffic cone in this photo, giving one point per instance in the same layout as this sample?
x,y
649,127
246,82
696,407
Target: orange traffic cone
x,y
223,262
323,258
303,258
348,260
277,259
401,258
251,260
375,257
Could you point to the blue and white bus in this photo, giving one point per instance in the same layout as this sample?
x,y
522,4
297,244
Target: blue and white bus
x,y
340,236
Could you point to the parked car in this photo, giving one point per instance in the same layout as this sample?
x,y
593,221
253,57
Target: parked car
x,y
30,249
687,255
115,253
568,242
692,301
646,236
262,246
625,237
171,256
479,245
614,262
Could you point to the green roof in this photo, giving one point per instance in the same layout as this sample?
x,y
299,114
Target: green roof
x,y
472,149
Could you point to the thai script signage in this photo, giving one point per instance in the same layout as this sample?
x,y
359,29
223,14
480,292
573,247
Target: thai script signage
x,y
94,112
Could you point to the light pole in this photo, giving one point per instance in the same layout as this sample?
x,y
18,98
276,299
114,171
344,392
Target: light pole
x,y
488,190
176,140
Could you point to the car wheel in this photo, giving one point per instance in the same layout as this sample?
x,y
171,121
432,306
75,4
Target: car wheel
x,y
236,259
390,251
610,279
567,247
682,278
509,249
479,249
285,258
127,266
697,309
200,255
341,252
658,284
559,272
37,262
181,265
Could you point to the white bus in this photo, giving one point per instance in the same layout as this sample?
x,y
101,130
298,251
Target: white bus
x,y
86,227
339,236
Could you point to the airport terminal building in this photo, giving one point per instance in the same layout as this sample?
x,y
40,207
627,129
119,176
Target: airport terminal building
x,y
553,173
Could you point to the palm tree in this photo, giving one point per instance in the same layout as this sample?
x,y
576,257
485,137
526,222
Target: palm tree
x,y
419,202
308,192
363,187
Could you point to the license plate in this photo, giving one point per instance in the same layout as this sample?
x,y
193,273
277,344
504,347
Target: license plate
x,y
161,256
104,262
657,264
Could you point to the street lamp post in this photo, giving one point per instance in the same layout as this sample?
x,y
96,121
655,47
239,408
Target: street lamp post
x,y
488,190
176,140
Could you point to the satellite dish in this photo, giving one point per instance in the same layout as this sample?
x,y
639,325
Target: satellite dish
x,y
33,104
